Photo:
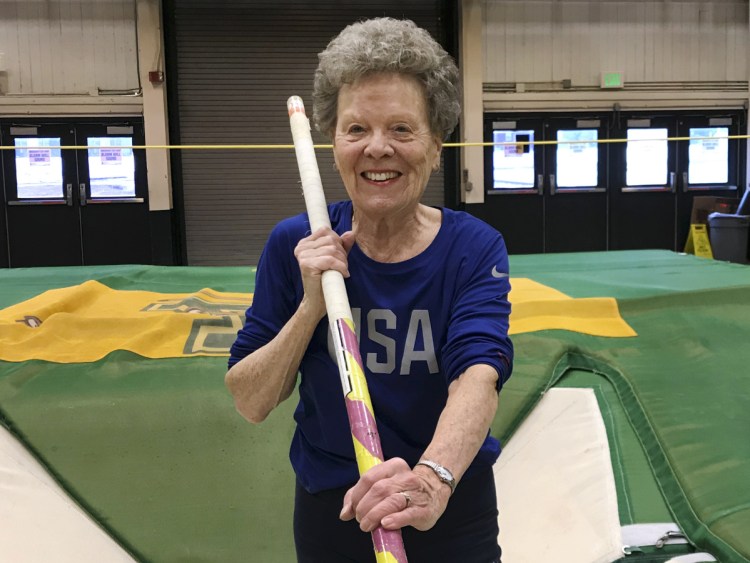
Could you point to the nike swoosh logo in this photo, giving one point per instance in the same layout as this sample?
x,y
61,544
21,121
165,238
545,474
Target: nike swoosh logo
x,y
496,274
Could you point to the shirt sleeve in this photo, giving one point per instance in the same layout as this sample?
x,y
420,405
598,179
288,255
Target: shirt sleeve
x,y
479,319
276,296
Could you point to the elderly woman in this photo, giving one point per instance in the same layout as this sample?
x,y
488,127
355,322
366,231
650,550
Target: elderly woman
x,y
428,289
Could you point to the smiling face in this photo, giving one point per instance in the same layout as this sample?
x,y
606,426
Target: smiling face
x,y
383,146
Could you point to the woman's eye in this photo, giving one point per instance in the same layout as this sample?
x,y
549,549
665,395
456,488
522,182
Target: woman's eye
x,y
354,129
402,129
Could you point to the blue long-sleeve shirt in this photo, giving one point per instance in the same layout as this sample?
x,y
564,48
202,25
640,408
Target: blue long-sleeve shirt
x,y
421,324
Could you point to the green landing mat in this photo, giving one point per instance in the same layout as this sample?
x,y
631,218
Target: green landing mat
x,y
154,450
683,382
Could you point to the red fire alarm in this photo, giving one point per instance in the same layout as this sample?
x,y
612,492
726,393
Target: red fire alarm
x,y
156,76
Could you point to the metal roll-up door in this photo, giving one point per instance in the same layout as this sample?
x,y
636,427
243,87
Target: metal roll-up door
x,y
237,62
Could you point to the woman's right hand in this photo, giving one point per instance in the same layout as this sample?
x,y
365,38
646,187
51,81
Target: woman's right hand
x,y
321,251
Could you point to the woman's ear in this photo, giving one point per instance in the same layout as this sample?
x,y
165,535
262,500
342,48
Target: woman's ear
x,y
438,152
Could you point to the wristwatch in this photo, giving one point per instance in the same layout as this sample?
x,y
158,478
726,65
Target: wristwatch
x,y
443,474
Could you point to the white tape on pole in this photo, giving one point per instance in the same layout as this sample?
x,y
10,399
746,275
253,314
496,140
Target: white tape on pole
x,y
334,289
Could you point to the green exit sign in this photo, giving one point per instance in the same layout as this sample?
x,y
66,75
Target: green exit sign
x,y
612,80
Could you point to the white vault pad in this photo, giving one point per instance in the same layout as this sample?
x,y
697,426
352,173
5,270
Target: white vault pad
x,y
555,487
39,521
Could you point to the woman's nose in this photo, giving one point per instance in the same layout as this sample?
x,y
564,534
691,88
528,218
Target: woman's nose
x,y
378,145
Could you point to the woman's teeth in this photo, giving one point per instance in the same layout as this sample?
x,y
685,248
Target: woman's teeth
x,y
380,176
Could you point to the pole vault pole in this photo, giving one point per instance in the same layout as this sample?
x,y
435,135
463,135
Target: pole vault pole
x,y
389,547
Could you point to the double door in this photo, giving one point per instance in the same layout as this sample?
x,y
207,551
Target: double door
x,y
656,179
72,207
546,182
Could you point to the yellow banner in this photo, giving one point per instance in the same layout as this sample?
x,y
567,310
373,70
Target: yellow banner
x,y
86,322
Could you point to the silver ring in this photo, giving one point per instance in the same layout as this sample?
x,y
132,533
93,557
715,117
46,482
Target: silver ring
x,y
408,499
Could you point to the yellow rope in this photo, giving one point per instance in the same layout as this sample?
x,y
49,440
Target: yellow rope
x,y
447,145
584,142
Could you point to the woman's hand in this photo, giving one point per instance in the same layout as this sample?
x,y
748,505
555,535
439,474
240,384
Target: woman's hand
x,y
321,251
393,495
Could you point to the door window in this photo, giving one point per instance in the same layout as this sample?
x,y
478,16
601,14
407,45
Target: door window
x,y
577,158
646,157
708,155
111,167
513,162
39,169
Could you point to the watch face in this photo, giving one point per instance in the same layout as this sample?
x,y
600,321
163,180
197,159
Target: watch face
x,y
444,474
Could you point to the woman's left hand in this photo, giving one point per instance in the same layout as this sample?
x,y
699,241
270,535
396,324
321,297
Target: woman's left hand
x,y
392,495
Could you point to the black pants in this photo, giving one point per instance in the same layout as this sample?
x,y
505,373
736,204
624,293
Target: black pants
x,y
465,533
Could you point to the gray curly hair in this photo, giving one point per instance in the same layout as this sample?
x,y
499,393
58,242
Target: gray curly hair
x,y
387,45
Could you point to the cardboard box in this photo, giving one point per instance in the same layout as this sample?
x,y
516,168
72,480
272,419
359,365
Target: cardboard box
x,y
703,206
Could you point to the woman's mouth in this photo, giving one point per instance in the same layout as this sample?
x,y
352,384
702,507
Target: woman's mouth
x,y
380,176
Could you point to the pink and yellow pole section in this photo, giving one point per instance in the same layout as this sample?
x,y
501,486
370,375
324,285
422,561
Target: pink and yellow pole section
x,y
389,547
